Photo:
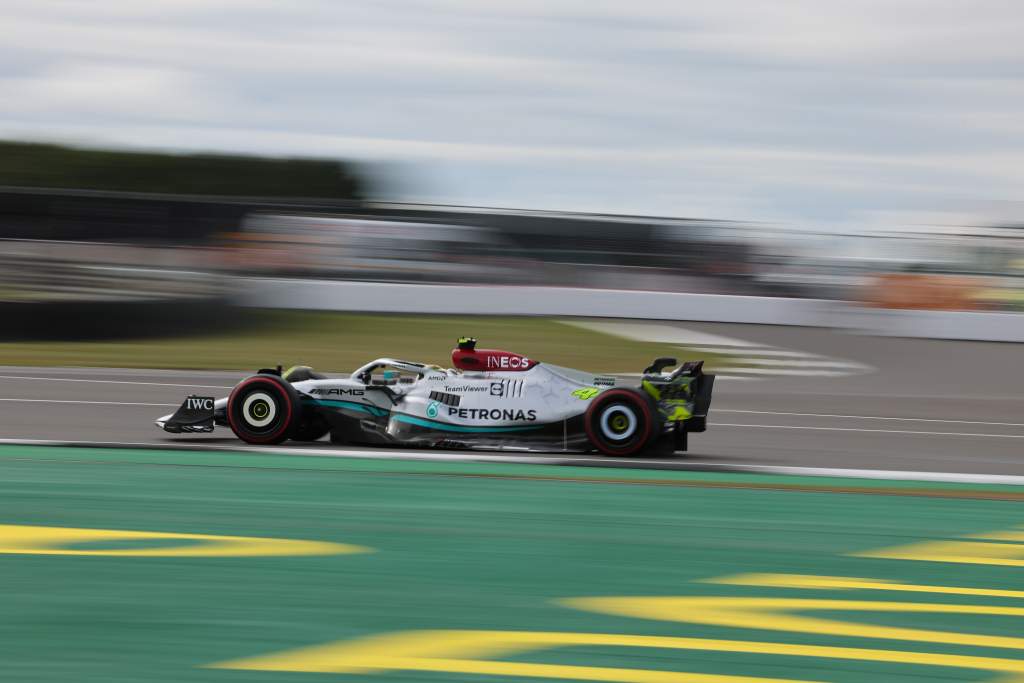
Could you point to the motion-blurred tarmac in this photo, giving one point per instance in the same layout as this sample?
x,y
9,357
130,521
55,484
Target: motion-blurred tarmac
x,y
930,406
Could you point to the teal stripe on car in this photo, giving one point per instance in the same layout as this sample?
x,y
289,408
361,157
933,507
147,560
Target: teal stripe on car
x,y
351,405
448,427
419,421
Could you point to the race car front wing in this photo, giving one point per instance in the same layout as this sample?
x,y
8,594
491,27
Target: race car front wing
x,y
194,416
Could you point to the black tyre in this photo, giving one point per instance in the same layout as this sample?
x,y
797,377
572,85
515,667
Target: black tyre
x,y
263,410
622,422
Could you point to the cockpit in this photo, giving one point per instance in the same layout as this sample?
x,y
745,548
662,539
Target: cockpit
x,y
466,359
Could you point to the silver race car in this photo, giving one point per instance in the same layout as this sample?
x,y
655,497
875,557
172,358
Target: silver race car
x,y
490,399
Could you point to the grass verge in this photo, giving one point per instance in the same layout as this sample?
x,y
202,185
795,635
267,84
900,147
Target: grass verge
x,y
340,342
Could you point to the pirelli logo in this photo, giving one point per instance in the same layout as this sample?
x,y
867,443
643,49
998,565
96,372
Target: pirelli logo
x,y
446,399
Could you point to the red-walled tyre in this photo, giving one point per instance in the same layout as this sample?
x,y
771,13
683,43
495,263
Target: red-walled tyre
x,y
622,422
263,410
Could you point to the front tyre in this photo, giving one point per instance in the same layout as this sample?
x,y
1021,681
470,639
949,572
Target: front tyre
x,y
263,410
621,422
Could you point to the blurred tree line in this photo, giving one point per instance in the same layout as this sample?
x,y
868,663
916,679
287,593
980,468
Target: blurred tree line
x,y
39,165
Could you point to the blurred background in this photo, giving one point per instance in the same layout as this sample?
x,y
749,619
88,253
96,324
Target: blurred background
x,y
158,158
822,199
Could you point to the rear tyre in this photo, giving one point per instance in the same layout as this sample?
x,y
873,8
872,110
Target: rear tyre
x,y
263,410
621,422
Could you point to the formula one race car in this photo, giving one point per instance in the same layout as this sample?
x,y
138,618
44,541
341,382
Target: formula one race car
x,y
490,400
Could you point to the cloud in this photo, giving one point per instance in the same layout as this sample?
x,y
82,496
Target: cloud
x,y
804,110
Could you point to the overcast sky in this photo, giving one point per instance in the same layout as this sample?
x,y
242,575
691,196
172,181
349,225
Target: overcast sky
x,y
803,111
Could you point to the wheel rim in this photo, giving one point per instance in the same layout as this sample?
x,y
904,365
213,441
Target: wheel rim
x,y
259,410
618,423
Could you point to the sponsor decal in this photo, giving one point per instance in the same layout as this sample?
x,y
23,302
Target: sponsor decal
x,y
464,388
501,388
432,409
447,399
507,362
196,403
604,381
586,394
337,392
494,414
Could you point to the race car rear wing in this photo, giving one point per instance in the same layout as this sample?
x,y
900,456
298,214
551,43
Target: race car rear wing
x,y
701,404
684,395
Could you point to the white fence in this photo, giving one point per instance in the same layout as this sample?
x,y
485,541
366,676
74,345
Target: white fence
x,y
963,325
382,297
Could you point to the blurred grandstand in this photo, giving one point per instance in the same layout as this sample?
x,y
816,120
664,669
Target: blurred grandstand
x,y
84,229
420,243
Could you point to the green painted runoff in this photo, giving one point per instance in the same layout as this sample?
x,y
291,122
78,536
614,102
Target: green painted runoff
x,y
395,546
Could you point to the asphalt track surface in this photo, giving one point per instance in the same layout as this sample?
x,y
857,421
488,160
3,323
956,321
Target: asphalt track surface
x,y
929,406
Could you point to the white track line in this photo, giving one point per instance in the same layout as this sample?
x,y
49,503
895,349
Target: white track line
x,y
870,431
568,459
664,334
819,362
113,381
389,454
871,417
382,454
66,442
742,358
785,372
152,445
901,475
91,403
756,353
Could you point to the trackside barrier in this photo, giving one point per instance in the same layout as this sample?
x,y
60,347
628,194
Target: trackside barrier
x,y
960,325
381,297
386,297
